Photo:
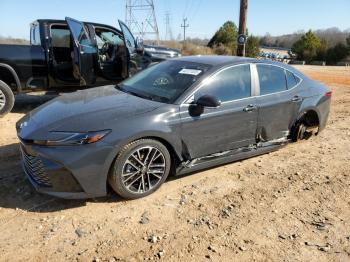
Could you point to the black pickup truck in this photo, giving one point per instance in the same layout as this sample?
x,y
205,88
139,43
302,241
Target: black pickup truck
x,y
68,54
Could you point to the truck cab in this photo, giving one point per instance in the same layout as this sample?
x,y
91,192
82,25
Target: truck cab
x,y
87,54
69,54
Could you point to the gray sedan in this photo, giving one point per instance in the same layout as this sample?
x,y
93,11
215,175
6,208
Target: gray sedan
x,y
175,117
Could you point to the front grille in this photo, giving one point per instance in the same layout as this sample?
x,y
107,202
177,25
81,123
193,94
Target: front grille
x,y
35,169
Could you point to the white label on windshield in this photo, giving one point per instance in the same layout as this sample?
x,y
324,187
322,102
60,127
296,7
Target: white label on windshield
x,y
193,72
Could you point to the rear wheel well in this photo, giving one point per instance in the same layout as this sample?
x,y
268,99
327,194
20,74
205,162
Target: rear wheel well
x,y
306,125
7,77
310,118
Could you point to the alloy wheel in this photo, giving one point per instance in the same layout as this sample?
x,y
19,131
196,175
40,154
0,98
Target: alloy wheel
x,y
143,169
2,100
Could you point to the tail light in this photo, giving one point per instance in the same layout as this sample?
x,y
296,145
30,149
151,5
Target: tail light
x,y
328,94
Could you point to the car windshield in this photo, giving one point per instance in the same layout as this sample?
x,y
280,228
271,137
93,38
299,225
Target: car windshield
x,y
164,82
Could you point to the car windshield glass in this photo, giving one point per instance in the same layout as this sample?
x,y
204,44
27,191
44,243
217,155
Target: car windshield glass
x,y
164,82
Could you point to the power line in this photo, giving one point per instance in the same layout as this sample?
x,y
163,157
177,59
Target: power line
x,y
191,9
140,17
196,10
186,7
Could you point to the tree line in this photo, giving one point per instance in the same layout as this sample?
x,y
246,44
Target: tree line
x,y
224,41
330,45
332,36
310,47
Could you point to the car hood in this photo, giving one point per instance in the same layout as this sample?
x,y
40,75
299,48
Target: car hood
x,y
82,111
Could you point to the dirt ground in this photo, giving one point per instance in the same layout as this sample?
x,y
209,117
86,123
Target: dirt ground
x,y
290,205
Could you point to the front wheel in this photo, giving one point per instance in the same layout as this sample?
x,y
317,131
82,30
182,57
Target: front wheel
x,y
7,99
140,169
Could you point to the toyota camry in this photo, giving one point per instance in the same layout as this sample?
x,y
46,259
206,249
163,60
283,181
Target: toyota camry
x,y
175,117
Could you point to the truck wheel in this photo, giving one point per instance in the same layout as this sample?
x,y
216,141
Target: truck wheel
x,y
7,99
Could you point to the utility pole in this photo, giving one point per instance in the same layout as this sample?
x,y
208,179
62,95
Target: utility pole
x,y
242,28
140,17
185,25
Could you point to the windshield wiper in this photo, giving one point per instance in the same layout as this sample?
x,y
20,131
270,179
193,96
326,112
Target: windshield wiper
x,y
139,95
121,88
148,97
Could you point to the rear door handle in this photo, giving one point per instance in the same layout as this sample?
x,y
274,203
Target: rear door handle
x,y
250,108
297,99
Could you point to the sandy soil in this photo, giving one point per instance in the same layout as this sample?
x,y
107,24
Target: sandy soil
x,y
290,205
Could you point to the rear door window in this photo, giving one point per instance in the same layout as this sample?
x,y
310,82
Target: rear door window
x,y
272,79
79,32
291,80
128,37
60,36
35,35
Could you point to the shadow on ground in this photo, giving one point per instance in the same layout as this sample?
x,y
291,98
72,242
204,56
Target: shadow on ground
x,y
8,152
16,192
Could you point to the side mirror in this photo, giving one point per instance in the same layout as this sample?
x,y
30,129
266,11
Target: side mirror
x,y
208,101
139,45
197,108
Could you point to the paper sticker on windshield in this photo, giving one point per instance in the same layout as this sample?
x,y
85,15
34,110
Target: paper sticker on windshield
x,y
193,72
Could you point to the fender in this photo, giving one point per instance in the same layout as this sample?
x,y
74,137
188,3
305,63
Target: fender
x,y
175,144
162,137
309,105
14,74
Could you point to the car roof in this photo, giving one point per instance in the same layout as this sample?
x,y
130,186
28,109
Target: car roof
x,y
217,61
57,21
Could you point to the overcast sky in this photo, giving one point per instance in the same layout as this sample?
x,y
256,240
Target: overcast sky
x,y
204,16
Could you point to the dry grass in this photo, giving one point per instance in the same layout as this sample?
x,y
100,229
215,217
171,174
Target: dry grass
x,y
188,48
329,75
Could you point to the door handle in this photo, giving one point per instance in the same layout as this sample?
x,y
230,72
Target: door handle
x,y
250,108
297,99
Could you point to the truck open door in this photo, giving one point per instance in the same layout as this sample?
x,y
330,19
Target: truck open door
x,y
84,53
135,50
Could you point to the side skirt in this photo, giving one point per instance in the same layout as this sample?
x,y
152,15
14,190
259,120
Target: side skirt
x,y
229,156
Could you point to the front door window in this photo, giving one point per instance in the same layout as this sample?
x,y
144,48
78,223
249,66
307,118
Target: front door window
x,y
228,85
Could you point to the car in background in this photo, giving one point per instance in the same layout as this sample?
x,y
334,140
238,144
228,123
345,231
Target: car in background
x,y
160,53
176,117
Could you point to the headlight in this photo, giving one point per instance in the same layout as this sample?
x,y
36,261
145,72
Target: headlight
x,y
75,139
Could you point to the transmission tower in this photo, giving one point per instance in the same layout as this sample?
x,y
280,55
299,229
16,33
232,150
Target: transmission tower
x,y
141,18
168,31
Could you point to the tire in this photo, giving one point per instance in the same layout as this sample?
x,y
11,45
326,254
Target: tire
x,y
7,99
299,132
147,162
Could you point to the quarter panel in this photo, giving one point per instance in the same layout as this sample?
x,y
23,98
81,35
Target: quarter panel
x,y
313,93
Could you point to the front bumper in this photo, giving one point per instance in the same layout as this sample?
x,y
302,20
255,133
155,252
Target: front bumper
x,y
71,172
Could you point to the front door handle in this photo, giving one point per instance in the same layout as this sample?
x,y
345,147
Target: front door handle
x,y
297,99
250,108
